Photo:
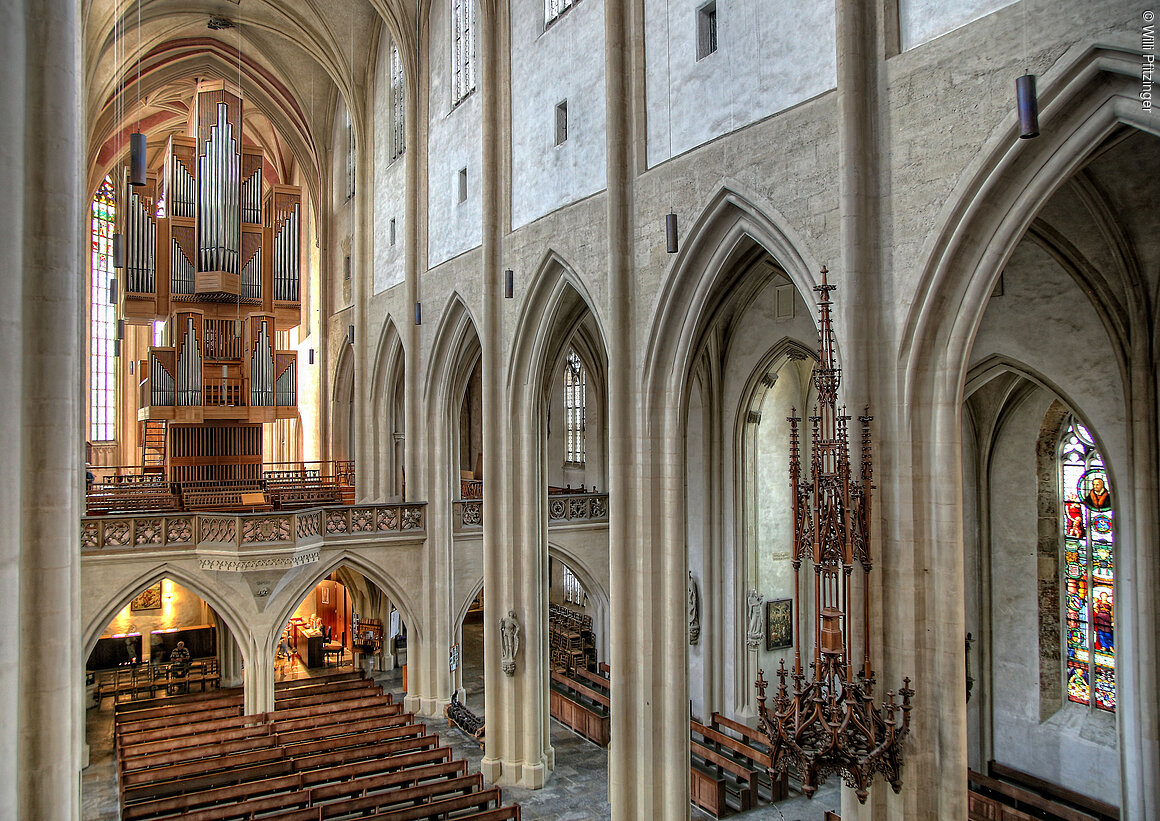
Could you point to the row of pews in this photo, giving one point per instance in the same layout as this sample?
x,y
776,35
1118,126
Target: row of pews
x,y
335,747
579,699
1008,794
729,767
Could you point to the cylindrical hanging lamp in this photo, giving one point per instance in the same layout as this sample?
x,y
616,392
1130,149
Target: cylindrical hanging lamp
x,y
120,329
311,357
1028,105
113,291
671,232
118,251
350,334
509,283
116,347
418,313
138,147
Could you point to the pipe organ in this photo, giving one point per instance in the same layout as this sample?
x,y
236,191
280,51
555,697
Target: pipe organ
x,y
213,249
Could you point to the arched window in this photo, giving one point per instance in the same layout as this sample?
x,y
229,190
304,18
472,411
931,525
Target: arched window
x,y
102,376
462,49
575,381
1088,569
398,106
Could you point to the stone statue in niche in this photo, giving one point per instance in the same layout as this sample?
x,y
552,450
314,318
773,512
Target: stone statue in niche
x,y
754,631
509,642
694,611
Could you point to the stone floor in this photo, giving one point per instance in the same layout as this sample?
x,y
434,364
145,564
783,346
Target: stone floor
x,y
576,791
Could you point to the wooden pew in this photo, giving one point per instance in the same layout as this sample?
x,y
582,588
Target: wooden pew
x,y
743,782
434,760
777,788
589,720
1010,801
707,791
386,801
482,800
1101,809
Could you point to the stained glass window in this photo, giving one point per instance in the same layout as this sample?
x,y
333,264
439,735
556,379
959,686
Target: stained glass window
x,y
102,375
575,381
1088,529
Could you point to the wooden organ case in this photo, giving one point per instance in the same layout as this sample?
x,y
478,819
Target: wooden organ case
x,y
214,252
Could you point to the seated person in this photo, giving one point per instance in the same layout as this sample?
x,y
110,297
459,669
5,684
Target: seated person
x,y
180,659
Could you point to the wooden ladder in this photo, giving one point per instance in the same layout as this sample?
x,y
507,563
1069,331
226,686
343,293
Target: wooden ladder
x,y
153,436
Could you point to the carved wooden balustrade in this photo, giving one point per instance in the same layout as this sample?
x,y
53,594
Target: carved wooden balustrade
x,y
563,509
244,532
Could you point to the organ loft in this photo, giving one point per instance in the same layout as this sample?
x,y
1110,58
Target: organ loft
x,y
211,251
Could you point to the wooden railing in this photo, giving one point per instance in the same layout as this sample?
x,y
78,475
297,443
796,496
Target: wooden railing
x,y
188,531
282,485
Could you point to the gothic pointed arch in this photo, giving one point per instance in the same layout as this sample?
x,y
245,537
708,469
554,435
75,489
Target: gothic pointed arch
x,y
386,391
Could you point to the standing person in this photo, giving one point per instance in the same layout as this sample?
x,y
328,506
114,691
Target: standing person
x,y
1104,623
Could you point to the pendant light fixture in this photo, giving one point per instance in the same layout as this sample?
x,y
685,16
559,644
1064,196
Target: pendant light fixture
x,y
509,284
138,145
418,313
671,232
1027,103
118,251
350,335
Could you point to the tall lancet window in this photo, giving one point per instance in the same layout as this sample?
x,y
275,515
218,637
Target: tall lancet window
x,y
462,48
102,377
575,382
1088,525
398,106
350,157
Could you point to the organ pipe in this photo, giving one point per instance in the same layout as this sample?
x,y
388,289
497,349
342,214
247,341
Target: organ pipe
x,y
219,223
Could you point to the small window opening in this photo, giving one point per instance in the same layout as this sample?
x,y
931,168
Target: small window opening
x,y
463,185
562,123
706,30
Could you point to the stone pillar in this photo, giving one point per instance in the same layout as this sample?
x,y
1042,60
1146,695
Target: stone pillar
x,y
258,687
229,658
41,371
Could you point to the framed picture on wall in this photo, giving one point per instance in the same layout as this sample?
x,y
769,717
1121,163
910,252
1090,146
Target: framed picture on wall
x,y
778,624
150,599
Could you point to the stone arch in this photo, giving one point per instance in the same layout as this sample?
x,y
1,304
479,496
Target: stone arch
x,y
716,266
296,592
342,444
747,415
387,373
593,589
1088,94
116,601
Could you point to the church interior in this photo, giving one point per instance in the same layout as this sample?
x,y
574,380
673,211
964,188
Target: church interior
x,y
577,409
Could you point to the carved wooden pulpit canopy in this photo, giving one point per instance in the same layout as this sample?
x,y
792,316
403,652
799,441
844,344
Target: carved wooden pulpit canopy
x,y
825,721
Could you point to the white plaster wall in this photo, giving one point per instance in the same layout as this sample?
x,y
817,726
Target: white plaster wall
x,y
454,141
1076,746
771,54
563,62
1044,320
389,180
920,21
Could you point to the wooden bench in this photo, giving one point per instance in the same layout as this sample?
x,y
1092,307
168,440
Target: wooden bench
x,y
740,782
432,762
996,797
482,800
777,789
707,791
742,769
588,721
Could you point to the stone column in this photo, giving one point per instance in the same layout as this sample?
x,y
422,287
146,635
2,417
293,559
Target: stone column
x,y
229,658
258,687
41,333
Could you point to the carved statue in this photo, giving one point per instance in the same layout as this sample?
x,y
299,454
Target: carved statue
x,y
509,642
694,611
754,632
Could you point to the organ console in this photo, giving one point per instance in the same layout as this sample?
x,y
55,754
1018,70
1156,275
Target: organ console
x,y
213,250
